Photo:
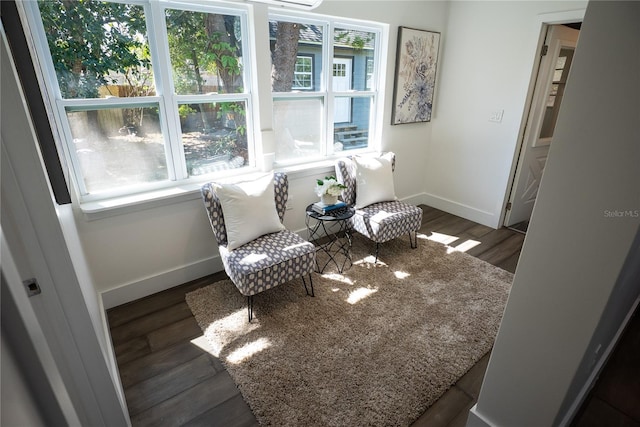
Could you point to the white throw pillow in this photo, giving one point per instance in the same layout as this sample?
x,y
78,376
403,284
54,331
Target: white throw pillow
x,y
374,180
249,210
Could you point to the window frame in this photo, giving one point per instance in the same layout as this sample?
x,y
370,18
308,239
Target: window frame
x,y
310,73
167,100
326,92
178,182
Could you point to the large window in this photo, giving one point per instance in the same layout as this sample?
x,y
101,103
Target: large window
x,y
146,95
336,112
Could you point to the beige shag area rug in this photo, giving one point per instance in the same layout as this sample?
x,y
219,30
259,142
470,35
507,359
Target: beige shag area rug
x,y
376,346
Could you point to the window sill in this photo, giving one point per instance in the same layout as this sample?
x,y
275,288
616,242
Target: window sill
x,y
137,202
100,209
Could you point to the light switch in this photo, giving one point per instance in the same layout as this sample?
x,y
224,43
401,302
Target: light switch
x,y
496,116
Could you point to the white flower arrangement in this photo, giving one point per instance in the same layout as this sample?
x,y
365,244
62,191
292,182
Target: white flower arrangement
x,y
329,185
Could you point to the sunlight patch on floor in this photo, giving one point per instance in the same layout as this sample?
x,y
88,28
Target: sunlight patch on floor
x,y
202,343
369,259
463,247
401,274
338,278
248,350
445,239
228,329
360,294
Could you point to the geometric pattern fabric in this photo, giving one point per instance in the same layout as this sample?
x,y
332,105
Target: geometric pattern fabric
x,y
381,221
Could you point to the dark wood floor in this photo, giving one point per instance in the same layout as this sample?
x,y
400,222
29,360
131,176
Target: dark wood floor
x,y
169,381
615,397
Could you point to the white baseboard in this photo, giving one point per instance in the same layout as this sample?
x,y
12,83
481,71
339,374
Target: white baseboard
x,y
468,212
159,282
416,199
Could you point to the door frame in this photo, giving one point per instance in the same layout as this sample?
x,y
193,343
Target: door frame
x,y
542,22
534,149
79,365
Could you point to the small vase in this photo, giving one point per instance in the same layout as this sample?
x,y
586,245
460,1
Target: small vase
x,y
328,199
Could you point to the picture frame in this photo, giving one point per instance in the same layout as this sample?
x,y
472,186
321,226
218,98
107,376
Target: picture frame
x,y
415,75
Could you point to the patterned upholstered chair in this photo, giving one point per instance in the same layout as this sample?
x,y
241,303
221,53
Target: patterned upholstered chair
x,y
267,261
381,221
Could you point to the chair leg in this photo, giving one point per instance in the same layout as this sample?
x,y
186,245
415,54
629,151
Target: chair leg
x,y
304,282
250,307
413,239
377,249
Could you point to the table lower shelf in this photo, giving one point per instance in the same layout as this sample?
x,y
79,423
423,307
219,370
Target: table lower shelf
x,y
334,252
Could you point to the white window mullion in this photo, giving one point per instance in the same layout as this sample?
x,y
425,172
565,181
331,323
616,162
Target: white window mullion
x,y
379,70
328,81
159,45
209,98
251,132
249,35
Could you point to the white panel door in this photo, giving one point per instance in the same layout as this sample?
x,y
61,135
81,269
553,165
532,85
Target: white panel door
x,y
342,83
547,97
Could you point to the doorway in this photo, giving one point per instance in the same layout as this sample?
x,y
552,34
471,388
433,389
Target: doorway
x,y
553,71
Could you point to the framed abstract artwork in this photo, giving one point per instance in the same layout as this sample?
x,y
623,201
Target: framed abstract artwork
x,y
415,78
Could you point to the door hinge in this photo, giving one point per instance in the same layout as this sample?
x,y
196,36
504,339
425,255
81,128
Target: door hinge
x,y
509,206
544,51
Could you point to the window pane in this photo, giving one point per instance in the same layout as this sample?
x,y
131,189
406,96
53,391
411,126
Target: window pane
x,y
560,62
214,136
557,75
290,42
118,147
355,134
297,124
556,93
360,46
205,51
303,75
368,83
99,49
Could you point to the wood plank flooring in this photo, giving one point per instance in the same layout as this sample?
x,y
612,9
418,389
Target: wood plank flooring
x,y
615,397
169,381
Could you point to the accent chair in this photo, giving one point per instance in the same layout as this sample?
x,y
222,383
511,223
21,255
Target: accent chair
x,y
268,260
379,215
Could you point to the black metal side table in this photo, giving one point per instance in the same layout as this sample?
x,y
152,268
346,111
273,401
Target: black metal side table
x,y
331,234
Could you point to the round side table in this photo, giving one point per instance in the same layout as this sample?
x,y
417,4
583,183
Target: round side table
x,y
331,233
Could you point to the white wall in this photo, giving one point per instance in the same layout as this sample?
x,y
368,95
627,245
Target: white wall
x,y
19,407
576,246
487,63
